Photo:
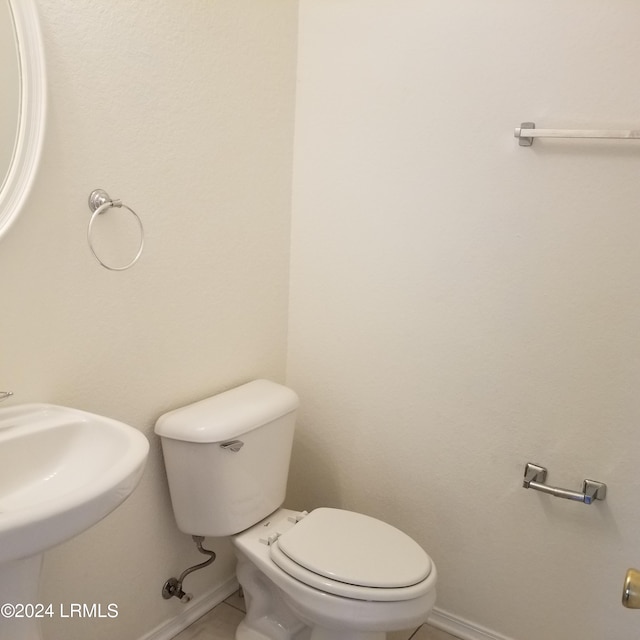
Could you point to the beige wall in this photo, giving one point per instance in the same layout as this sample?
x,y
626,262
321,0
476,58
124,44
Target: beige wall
x,y
461,305
184,110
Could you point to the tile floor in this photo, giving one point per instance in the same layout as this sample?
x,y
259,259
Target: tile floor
x,y
221,622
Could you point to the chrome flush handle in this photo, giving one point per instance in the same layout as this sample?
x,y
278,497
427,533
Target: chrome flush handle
x,y
5,394
232,445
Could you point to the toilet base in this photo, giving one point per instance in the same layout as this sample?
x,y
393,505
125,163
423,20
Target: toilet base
x,y
245,632
330,634
270,617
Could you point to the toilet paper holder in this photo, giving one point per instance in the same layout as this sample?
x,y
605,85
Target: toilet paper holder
x,y
535,477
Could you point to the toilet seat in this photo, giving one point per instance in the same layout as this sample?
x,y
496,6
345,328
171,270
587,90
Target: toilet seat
x,y
354,556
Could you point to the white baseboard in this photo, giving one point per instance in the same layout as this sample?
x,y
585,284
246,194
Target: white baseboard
x,y
439,619
461,628
196,609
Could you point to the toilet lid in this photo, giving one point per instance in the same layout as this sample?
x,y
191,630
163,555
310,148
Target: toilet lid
x,y
355,549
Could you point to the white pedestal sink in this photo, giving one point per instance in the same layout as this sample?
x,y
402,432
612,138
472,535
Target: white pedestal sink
x,y
61,471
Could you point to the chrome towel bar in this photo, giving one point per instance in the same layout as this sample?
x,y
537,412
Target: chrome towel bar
x,y
527,131
535,476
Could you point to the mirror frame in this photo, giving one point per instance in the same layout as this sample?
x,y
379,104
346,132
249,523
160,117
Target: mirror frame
x,y
32,112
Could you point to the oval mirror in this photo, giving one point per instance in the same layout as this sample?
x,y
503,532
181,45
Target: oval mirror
x,y
22,104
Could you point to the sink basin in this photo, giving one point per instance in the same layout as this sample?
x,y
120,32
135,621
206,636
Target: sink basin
x,y
61,471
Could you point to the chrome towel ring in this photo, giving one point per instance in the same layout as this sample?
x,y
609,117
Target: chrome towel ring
x,y
99,202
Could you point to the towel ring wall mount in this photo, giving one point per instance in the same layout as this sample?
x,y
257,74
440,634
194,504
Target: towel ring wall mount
x,y
99,203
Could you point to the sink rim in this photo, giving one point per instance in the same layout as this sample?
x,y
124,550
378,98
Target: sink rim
x,y
80,508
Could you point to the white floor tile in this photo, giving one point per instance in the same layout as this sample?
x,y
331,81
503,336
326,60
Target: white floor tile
x,y
221,622
400,635
236,600
425,632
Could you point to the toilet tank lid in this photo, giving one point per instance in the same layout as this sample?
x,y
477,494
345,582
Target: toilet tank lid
x,y
229,414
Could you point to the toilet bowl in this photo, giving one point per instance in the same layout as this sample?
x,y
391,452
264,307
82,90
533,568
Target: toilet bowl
x,y
332,549
330,574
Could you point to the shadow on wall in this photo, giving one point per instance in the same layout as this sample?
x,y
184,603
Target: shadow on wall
x,y
313,480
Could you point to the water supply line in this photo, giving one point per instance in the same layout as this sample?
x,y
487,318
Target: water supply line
x,y
173,586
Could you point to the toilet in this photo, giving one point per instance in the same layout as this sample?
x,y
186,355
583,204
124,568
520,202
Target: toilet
x,y
329,574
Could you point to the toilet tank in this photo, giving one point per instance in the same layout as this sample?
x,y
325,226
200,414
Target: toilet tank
x,y
227,457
